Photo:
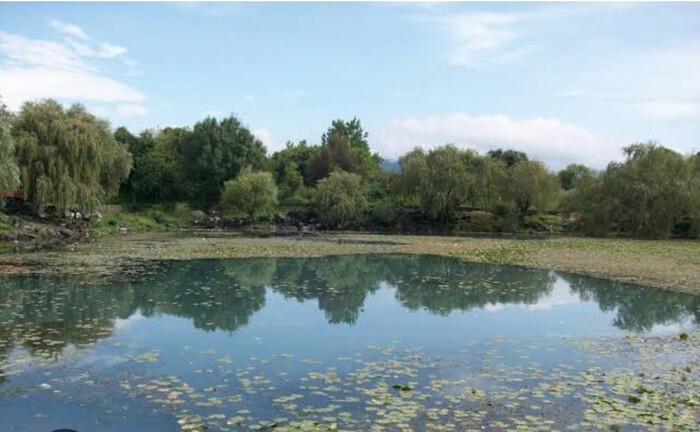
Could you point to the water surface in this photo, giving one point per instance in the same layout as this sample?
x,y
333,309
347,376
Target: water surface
x,y
349,342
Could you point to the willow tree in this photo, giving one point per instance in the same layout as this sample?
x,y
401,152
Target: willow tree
x,y
9,173
647,195
340,200
442,180
529,185
694,193
68,158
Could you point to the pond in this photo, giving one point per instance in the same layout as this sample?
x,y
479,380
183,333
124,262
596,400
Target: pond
x,y
364,342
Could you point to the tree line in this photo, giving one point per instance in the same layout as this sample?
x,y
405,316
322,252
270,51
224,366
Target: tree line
x,y
67,158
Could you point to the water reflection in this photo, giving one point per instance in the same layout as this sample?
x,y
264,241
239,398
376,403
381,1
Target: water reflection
x,y
44,315
636,309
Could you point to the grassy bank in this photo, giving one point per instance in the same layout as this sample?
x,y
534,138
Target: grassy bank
x,y
669,264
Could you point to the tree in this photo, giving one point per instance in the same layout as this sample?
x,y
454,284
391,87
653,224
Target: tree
x,y
158,172
291,181
694,193
572,175
340,200
381,193
151,175
645,196
299,154
216,151
508,157
344,146
117,164
357,138
528,184
67,157
250,194
334,154
488,174
650,189
442,180
170,142
594,205
9,172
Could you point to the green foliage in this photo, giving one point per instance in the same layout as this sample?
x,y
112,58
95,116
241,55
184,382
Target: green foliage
x,y
357,138
340,200
67,158
9,171
694,194
157,173
446,179
299,155
442,180
528,184
508,157
135,222
334,154
169,142
344,147
117,164
291,181
216,151
644,196
154,218
487,177
250,194
381,187
573,174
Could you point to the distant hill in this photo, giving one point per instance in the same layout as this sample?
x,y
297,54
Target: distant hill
x,y
390,165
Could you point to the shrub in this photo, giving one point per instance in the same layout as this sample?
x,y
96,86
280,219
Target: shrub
x,y
251,195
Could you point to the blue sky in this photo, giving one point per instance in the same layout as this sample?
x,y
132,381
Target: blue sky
x,y
563,82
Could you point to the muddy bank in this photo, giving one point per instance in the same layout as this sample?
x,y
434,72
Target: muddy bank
x,y
22,235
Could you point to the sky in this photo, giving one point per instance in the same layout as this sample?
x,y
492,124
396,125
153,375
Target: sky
x,y
564,82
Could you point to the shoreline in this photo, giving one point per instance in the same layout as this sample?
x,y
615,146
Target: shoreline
x,y
667,264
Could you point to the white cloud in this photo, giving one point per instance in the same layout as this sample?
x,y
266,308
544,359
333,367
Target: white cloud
x,y
33,69
546,139
561,295
476,35
26,84
108,50
102,50
479,39
124,323
68,29
249,98
266,137
18,50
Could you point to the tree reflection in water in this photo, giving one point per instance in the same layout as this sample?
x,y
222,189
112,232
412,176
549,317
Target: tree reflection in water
x,y
46,314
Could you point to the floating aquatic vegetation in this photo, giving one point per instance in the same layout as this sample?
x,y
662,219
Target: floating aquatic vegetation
x,y
198,348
